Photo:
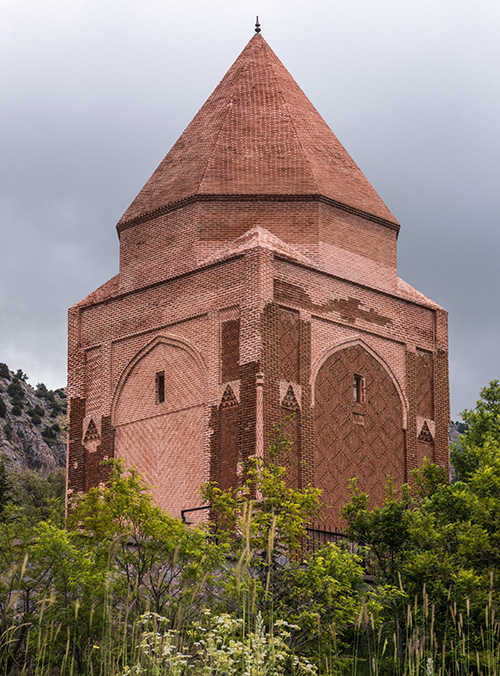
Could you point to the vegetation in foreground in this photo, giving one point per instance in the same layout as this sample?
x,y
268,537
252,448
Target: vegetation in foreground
x,y
126,589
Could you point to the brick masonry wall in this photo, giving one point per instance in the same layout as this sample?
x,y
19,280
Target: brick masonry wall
x,y
365,439
246,330
224,324
76,449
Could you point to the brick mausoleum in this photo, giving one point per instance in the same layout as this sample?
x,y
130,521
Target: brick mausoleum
x,y
257,278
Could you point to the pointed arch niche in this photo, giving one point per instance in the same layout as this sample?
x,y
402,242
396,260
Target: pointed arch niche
x,y
158,416
356,436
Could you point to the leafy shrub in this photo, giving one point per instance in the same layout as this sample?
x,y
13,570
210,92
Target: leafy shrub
x,y
56,399
7,428
42,391
38,410
17,410
15,390
49,433
36,414
4,371
3,408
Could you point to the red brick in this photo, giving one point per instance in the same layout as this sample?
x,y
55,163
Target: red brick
x,y
258,274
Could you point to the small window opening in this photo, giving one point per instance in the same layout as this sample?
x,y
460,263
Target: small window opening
x,y
160,387
359,389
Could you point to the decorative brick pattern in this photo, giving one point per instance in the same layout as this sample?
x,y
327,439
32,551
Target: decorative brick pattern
x,y
425,434
290,402
441,407
168,452
92,433
76,449
291,429
288,342
257,276
228,399
373,451
424,384
228,450
230,353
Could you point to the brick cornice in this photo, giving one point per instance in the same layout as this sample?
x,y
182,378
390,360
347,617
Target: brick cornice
x,y
199,198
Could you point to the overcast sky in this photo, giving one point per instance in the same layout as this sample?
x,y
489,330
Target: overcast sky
x,y
93,93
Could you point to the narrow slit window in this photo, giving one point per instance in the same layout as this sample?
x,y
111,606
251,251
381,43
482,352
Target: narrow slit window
x,y
359,389
160,387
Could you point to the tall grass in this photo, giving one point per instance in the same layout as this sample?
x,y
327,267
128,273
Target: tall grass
x,y
245,636
124,646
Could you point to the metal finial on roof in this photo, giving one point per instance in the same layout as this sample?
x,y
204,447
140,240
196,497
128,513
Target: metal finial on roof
x,y
257,26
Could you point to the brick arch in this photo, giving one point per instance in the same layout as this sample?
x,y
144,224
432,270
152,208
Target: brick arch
x,y
163,439
361,343
163,339
351,439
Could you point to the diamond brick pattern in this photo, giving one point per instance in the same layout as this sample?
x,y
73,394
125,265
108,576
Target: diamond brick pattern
x,y
345,449
424,385
288,344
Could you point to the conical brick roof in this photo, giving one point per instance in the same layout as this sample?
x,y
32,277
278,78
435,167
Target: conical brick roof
x,y
257,134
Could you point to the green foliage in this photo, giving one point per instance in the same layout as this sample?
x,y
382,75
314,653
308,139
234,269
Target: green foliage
x,y
441,540
263,526
36,410
483,427
49,433
127,589
17,409
36,498
36,413
15,390
56,399
3,408
160,561
273,511
5,487
7,428
4,371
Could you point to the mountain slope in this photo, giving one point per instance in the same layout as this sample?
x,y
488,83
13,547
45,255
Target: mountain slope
x,y
32,423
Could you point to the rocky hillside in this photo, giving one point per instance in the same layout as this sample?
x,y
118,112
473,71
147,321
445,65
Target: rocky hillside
x,y
456,429
32,423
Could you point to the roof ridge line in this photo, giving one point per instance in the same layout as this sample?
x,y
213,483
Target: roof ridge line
x,y
219,131
292,122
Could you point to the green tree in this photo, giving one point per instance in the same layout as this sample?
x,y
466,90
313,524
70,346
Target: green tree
x,y
36,497
268,572
442,540
483,427
161,563
52,594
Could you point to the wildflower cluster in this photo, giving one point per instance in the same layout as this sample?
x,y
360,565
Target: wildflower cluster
x,y
219,646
